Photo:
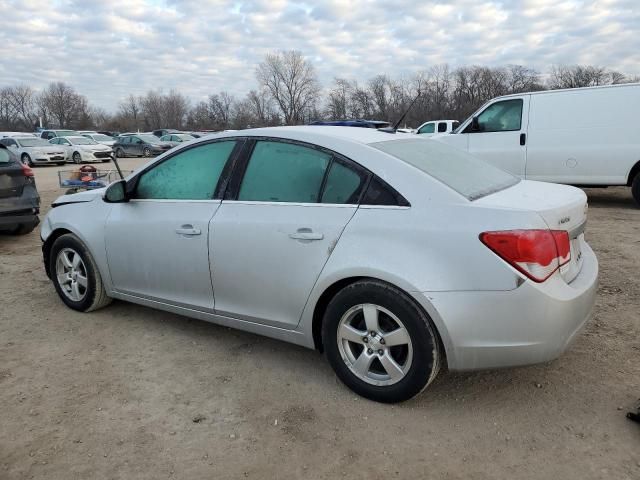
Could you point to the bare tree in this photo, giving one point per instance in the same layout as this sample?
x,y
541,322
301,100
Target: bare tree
x,y
338,99
22,101
129,112
62,103
575,76
291,81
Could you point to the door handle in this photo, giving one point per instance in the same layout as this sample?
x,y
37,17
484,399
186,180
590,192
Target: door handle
x,y
523,139
188,230
306,234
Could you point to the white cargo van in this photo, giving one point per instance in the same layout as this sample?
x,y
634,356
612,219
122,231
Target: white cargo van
x,y
582,136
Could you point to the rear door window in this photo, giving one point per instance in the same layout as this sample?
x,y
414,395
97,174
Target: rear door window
x,y
284,172
442,127
344,183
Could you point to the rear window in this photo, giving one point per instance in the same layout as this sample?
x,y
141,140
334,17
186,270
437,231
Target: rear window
x,y
467,175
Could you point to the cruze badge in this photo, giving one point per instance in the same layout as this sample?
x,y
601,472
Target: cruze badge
x,y
564,220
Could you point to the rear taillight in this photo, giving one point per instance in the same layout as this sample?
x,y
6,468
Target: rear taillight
x,y
26,170
536,253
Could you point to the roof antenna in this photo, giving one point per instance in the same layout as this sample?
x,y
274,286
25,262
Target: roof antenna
x,y
397,124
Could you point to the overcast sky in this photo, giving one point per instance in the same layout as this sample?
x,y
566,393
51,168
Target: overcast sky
x,y
110,48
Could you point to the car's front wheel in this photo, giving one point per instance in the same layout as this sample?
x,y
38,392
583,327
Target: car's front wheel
x,y
77,158
119,153
146,152
75,275
379,342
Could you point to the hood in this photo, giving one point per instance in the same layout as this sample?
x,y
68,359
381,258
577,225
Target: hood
x,y
45,149
94,148
80,197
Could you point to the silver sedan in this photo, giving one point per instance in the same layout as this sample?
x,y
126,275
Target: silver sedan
x,y
395,255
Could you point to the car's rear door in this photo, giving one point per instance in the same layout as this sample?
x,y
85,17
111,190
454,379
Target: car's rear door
x,y
286,208
157,243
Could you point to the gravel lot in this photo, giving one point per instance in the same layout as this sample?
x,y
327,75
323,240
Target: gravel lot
x,y
129,392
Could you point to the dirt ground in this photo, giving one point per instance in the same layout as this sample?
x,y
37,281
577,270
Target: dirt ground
x,y
132,393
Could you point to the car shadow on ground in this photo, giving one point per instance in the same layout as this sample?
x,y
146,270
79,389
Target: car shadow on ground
x,y
610,198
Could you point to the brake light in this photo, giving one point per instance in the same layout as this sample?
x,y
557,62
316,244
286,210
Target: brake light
x,y
536,253
26,170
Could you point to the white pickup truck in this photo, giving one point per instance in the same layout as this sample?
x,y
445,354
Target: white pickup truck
x,y
582,136
434,127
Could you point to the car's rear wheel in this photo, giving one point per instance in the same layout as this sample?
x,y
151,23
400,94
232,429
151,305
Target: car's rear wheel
x,y
379,342
146,152
77,158
26,159
635,188
76,276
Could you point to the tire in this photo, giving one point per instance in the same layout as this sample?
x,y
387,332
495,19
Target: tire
x,y
26,159
106,161
76,157
61,164
146,152
119,153
635,189
416,352
89,298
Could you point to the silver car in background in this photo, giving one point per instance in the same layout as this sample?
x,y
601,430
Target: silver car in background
x,y
79,149
33,151
391,253
100,138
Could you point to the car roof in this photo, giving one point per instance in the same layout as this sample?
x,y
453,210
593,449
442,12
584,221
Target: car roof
x,y
318,133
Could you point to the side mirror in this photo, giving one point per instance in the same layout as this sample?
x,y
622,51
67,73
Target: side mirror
x,y
116,192
475,125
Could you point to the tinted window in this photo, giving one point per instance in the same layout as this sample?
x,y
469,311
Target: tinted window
x,y
465,174
428,128
343,184
379,193
283,172
503,116
190,175
442,127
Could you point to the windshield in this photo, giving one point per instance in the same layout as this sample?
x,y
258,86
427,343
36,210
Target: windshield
x,y
467,175
65,133
32,142
102,138
149,138
82,141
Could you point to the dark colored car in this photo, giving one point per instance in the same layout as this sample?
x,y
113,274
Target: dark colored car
x,y
161,132
355,123
109,133
19,199
142,145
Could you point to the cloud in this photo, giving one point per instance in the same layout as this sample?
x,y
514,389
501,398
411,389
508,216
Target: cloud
x,y
107,50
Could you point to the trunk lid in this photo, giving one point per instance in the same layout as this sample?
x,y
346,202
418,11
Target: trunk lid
x,y
560,206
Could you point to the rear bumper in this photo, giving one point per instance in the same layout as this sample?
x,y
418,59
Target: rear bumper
x,y
532,324
20,218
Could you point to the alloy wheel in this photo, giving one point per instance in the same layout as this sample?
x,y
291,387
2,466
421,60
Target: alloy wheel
x,y
374,344
71,274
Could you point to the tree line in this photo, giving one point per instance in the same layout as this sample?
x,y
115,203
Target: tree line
x,y
288,92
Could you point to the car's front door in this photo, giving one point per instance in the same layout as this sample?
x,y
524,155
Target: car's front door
x,y
501,134
271,239
157,243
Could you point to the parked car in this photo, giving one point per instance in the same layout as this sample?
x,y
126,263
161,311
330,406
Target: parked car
x,y
32,150
437,126
109,133
161,132
79,149
582,136
392,253
16,134
139,145
100,138
83,132
19,199
49,134
177,138
202,133
353,123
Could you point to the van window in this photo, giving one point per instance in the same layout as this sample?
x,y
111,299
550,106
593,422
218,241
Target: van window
x,y
505,116
467,175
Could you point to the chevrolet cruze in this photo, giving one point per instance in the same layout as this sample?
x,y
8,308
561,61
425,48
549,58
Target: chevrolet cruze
x,y
394,255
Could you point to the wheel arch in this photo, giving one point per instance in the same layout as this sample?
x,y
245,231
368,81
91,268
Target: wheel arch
x,y
635,170
330,291
48,243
